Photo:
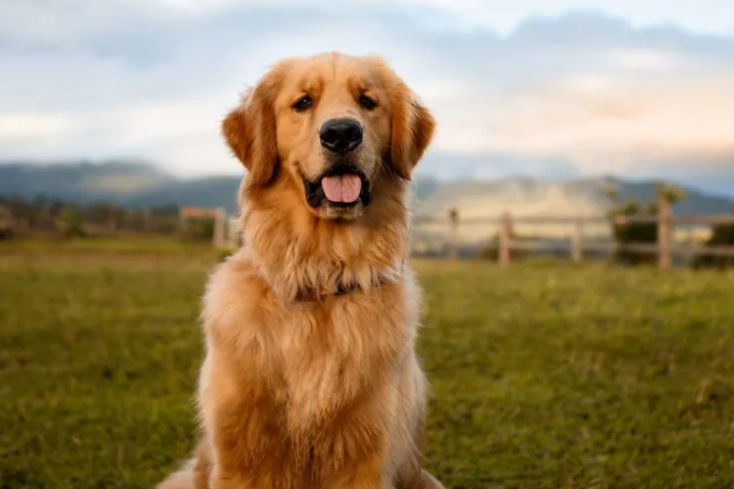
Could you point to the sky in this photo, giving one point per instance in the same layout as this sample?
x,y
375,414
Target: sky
x,y
553,88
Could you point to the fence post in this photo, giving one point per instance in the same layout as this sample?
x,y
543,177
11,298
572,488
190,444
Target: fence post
x,y
504,240
453,234
182,226
665,233
233,232
111,221
147,220
220,217
577,247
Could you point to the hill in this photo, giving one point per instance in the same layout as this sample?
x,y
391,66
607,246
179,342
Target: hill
x,y
135,184
125,183
532,196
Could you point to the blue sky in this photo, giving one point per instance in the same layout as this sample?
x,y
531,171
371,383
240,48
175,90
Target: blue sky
x,y
552,88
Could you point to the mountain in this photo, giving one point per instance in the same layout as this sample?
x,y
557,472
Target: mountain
x,y
79,181
532,196
125,183
137,184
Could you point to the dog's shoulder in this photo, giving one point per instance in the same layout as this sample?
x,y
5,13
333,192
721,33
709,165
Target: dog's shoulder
x,y
236,297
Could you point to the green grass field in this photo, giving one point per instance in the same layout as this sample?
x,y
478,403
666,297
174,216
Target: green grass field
x,y
544,375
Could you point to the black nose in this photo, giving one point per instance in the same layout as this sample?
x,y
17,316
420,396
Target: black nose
x,y
341,135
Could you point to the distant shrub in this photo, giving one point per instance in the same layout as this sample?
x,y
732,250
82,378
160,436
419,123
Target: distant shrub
x,y
721,235
639,232
46,215
161,220
199,229
71,223
7,223
490,251
634,232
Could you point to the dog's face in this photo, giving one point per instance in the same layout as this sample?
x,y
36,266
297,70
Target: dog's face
x,y
335,126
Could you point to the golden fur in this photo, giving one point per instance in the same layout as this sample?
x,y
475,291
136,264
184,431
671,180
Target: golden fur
x,y
303,386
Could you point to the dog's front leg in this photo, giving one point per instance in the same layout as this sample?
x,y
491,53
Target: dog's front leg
x,y
247,452
366,473
350,450
218,480
240,419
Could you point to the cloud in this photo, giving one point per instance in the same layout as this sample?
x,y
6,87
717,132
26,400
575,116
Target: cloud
x,y
576,94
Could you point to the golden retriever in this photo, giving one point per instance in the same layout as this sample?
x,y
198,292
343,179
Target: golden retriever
x,y
310,378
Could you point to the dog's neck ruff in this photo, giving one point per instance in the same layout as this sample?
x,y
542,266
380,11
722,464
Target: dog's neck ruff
x,y
303,258
338,284
313,294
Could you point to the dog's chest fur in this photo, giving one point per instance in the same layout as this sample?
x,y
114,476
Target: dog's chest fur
x,y
306,382
318,357
334,350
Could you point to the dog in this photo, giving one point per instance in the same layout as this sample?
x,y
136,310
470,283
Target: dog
x,y
310,378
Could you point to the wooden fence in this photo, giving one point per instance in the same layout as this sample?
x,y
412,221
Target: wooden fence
x,y
226,231
665,248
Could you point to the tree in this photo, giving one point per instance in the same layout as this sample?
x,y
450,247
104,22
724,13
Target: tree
x,y
638,232
721,235
72,223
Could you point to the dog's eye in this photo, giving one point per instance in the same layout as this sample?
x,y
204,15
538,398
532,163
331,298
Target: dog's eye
x,y
303,103
367,102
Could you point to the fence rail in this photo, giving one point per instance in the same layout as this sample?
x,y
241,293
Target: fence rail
x,y
665,248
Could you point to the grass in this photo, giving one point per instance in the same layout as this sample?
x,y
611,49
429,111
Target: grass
x,y
543,374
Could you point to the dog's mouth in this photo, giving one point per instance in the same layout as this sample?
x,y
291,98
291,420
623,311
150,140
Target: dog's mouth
x,y
341,186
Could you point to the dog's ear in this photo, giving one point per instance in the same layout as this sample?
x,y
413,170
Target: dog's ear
x,y
412,130
250,130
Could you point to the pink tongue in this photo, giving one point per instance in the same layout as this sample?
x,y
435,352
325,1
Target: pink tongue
x,y
342,188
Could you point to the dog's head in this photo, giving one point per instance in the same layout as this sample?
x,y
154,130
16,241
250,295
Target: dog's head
x,y
334,126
